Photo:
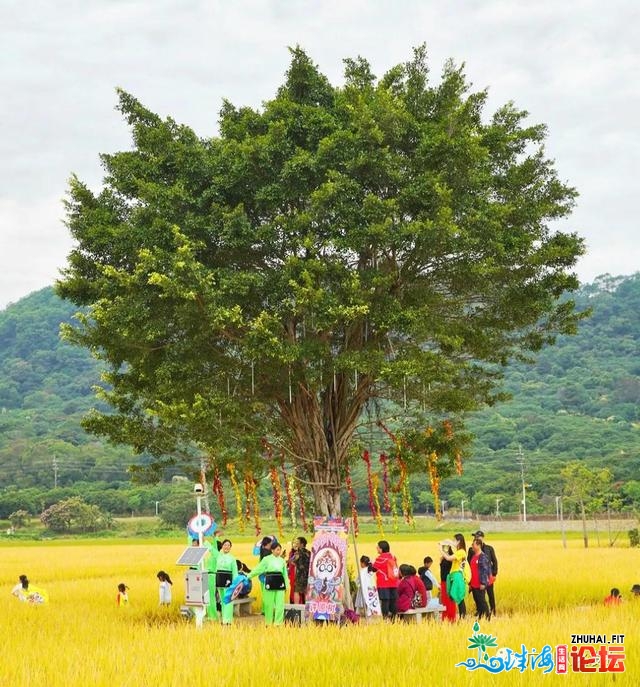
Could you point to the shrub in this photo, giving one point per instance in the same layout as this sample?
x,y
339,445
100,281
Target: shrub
x,y
19,518
74,514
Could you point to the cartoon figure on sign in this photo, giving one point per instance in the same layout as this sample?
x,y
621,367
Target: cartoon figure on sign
x,y
327,573
324,593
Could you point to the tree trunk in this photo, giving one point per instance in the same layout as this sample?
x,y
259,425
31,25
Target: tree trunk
x,y
322,426
584,526
326,500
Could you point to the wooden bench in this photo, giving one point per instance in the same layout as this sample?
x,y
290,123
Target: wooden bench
x,y
243,606
418,613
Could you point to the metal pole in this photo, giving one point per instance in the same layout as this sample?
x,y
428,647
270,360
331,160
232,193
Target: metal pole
x,y
205,489
524,490
462,505
564,536
355,552
199,512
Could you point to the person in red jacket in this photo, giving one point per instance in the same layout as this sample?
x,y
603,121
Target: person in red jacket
x,y
411,590
614,599
387,578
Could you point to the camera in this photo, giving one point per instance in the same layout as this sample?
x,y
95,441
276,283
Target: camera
x,y
198,488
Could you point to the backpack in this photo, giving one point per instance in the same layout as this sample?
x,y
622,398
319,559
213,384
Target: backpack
x,y
392,569
417,601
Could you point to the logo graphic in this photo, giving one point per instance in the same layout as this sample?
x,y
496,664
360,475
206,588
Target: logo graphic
x,y
602,655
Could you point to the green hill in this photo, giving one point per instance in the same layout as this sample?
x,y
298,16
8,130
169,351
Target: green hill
x,y
579,400
45,389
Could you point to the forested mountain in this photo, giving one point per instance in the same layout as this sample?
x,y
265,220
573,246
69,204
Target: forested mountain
x,y
45,389
579,400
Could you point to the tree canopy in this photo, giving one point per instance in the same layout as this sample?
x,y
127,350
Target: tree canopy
x,y
343,249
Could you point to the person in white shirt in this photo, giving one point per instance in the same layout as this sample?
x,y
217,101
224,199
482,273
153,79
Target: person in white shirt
x,y
429,580
21,589
165,588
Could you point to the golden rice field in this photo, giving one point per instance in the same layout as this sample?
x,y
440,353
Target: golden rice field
x,y
544,594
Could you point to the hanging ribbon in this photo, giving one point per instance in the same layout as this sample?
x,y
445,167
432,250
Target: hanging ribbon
x,y
385,482
287,490
231,469
277,497
251,487
376,513
219,492
448,429
388,432
434,482
303,513
393,500
247,499
367,460
267,449
353,498
403,489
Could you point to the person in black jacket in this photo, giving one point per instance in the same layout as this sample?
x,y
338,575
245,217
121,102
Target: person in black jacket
x,y
490,553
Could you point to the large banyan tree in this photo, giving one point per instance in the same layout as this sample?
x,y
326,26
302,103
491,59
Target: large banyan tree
x,y
339,252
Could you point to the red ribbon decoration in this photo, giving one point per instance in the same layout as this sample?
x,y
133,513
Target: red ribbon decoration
x,y
386,504
218,490
367,459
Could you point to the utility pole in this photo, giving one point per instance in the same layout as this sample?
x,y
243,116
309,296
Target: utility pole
x,y
498,499
524,489
462,506
55,471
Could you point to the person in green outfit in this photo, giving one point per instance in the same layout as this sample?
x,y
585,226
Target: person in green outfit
x,y
276,585
211,563
226,570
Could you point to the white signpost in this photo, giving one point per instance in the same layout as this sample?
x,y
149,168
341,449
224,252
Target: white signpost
x,y
196,578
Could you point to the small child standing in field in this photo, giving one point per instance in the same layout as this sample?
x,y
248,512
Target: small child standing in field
x,y
614,599
123,597
165,588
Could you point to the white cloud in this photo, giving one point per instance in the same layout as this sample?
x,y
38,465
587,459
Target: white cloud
x,y
33,244
571,64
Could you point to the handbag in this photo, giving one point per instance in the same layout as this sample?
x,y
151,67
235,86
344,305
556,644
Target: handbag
x,y
466,571
274,581
223,578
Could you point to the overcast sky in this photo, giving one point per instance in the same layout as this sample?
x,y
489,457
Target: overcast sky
x,y
574,65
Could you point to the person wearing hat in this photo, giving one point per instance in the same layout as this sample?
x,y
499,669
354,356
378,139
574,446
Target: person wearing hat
x,y
491,555
635,590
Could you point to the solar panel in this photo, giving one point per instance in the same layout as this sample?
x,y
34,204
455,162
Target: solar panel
x,y
192,555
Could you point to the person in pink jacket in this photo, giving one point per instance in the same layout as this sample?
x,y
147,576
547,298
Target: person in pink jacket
x,y
411,590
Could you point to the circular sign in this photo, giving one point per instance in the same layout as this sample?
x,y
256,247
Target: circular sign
x,y
202,524
239,585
